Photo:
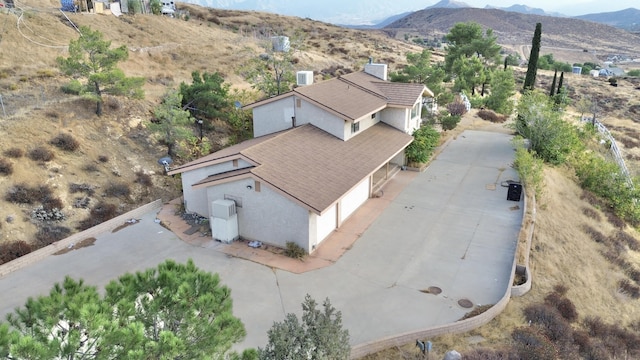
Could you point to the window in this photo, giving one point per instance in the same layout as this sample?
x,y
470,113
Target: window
x,y
415,110
355,127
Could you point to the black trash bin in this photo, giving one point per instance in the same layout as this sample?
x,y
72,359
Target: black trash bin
x,y
515,192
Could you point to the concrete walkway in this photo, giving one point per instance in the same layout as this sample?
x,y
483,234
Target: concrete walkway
x,y
449,227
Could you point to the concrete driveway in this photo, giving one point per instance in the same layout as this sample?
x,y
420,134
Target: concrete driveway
x,y
451,227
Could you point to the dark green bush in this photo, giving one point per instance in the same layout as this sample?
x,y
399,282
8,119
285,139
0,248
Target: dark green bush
x,y
41,153
65,142
425,140
450,122
73,87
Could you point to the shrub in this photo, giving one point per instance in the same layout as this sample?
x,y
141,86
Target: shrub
x,y
73,87
81,202
83,188
23,194
625,238
144,179
6,167
450,122
425,140
531,344
98,214
456,108
294,250
118,190
592,214
555,327
90,167
103,158
565,307
530,170
65,142
41,153
626,287
12,250
49,234
42,214
489,115
14,153
594,234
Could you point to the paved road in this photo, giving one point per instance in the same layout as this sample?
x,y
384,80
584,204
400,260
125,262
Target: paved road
x,y
452,227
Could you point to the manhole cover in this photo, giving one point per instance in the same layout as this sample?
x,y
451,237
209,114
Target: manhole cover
x,y
465,303
434,290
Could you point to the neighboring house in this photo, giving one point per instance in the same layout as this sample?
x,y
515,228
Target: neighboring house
x,y
318,153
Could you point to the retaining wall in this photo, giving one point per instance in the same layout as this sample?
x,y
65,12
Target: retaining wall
x,y
48,250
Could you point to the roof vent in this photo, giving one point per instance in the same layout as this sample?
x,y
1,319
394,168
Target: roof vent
x,y
304,78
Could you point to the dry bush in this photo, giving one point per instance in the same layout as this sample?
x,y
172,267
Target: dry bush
x,y
118,190
594,234
144,179
489,115
615,220
41,153
14,153
81,202
626,287
592,199
532,344
65,142
456,108
103,158
24,194
90,167
592,214
554,326
49,234
477,311
82,188
12,250
51,202
98,214
622,237
565,307
491,354
6,167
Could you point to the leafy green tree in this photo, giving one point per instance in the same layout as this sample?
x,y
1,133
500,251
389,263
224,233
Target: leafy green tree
x,y
156,7
91,58
172,124
271,73
173,312
470,46
419,69
207,96
540,121
503,85
318,336
532,69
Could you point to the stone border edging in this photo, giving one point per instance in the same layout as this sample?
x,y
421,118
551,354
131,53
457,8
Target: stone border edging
x,y
520,290
361,350
48,250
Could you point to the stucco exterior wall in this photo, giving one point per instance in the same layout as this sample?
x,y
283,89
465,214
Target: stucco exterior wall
x,y
365,123
310,113
396,117
273,117
195,200
264,215
356,197
320,226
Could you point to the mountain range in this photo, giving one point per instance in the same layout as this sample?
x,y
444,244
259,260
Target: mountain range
x,y
376,13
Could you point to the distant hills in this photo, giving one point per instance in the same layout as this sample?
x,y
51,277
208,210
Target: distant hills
x,y
514,28
628,19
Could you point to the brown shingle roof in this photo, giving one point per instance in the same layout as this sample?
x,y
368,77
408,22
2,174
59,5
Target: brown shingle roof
x,y
314,167
355,95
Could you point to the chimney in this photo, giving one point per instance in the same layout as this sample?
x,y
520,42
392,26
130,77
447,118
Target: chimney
x,y
377,70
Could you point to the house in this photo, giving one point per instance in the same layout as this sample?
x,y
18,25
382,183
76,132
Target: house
x,y
318,153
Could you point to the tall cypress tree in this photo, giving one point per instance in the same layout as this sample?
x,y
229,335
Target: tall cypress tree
x,y
552,91
532,70
560,82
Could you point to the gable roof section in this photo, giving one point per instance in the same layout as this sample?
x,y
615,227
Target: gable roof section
x,y
313,167
355,95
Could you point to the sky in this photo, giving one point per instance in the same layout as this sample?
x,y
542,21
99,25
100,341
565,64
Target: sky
x,y
567,7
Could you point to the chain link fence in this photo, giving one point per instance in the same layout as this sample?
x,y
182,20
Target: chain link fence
x,y
614,149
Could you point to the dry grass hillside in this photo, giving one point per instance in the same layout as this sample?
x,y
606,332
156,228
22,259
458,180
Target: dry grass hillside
x,y
116,161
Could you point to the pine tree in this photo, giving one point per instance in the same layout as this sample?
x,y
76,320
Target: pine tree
x,y
532,69
91,58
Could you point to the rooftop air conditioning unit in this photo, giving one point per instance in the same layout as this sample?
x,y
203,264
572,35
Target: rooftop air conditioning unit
x,y
304,78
